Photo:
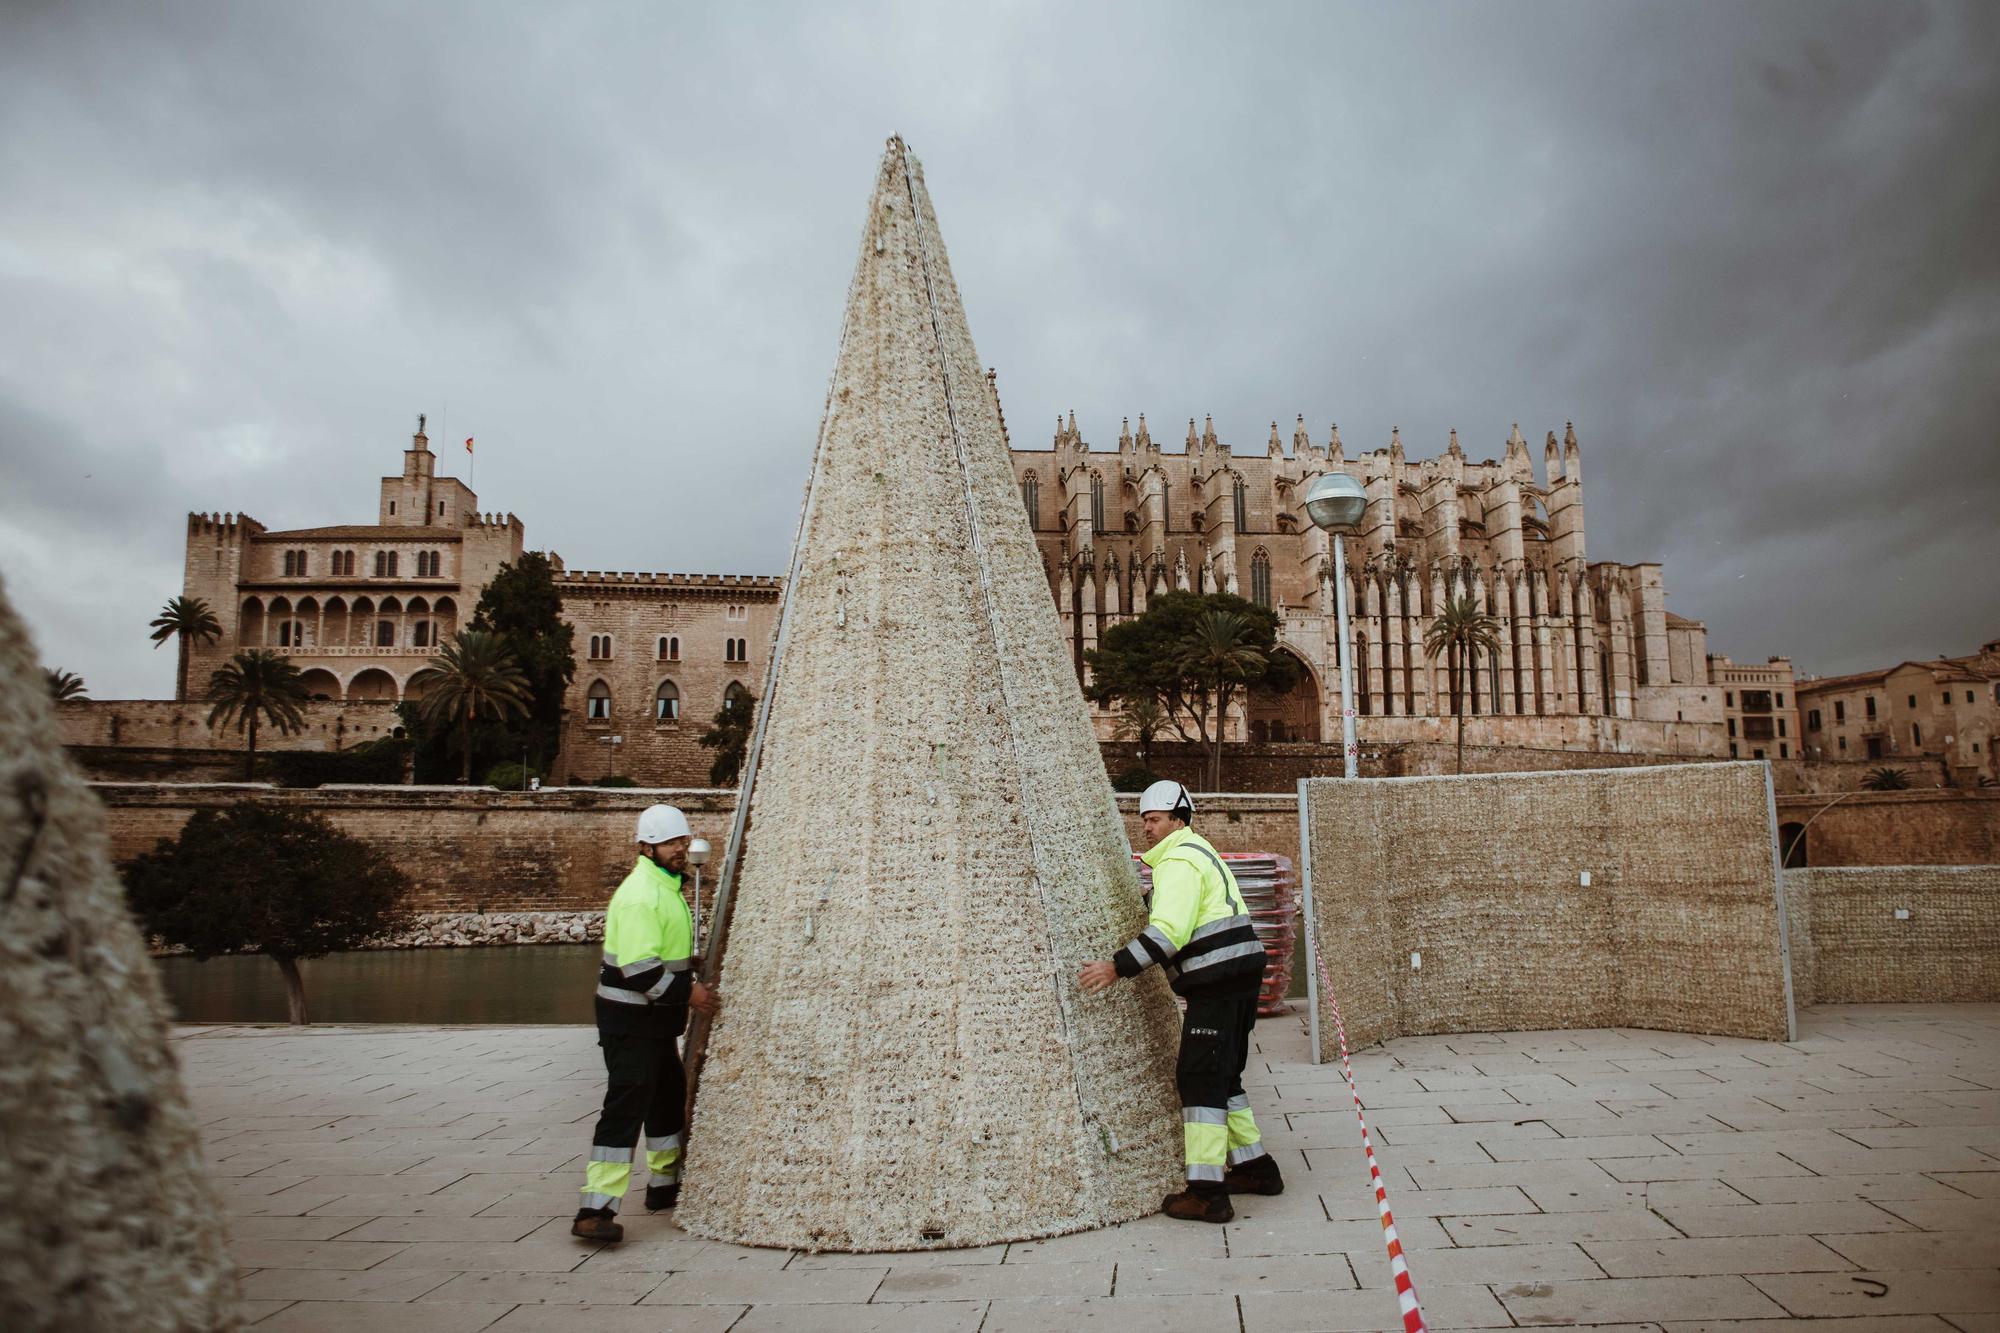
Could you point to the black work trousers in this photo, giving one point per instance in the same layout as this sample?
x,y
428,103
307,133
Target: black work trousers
x,y
1216,1122
646,1089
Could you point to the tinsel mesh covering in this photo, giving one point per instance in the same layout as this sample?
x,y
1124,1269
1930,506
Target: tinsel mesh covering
x,y
903,1060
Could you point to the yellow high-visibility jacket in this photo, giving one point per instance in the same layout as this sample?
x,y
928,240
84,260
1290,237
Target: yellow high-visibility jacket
x,y
648,954
1199,930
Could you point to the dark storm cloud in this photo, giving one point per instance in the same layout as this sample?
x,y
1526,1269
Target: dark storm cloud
x,y
1744,247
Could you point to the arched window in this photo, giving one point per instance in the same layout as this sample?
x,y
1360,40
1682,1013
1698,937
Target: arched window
x,y
1242,501
735,650
667,702
1097,505
1031,497
291,563
736,696
385,634
598,701
600,647
1260,575
385,564
670,648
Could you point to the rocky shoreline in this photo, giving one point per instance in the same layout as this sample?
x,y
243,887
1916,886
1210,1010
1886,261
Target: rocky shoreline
x,y
472,930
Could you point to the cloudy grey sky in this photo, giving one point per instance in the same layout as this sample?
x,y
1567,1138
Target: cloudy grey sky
x,y
1749,248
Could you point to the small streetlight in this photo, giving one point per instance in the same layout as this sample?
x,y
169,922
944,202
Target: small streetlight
x,y
698,854
1335,503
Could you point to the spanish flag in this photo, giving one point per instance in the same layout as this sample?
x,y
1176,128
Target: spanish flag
x,y
468,444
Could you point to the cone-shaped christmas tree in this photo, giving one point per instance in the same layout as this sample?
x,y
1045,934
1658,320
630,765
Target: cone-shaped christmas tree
x,y
903,1059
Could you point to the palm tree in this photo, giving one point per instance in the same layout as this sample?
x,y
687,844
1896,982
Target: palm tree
x,y
185,618
1463,631
1140,719
1886,779
474,672
1220,656
255,687
65,686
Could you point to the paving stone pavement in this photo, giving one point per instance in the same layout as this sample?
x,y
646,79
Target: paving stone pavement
x,y
394,1178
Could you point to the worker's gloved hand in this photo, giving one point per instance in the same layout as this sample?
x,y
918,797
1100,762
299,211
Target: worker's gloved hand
x,y
704,1000
1096,977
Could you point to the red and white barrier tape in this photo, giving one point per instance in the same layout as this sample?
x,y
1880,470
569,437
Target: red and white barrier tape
x,y
1406,1287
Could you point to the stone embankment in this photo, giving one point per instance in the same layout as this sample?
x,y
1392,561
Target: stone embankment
x,y
471,930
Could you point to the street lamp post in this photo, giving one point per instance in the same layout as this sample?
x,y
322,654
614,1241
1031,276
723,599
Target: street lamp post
x,y
698,854
1335,503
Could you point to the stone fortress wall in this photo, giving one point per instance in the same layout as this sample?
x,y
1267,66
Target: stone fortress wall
x,y
564,849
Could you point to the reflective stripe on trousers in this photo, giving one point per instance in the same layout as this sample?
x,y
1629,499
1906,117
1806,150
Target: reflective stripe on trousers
x,y
1245,1143
1205,1132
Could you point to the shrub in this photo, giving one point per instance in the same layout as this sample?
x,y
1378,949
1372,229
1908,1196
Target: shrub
x,y
511,776
258,879
376,761
616,780
1136,778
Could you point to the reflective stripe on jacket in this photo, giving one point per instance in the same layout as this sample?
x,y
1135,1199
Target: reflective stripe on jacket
x,y
1199,930
648,941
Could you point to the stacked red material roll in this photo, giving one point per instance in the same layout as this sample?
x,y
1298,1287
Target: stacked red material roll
x,y
1270,893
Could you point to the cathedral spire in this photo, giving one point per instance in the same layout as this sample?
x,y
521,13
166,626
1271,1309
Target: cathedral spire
x,y
1301,437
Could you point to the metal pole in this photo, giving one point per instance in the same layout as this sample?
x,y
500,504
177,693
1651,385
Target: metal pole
x,y
1350,750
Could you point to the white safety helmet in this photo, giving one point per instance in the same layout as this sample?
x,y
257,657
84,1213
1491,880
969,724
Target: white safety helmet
x,y
661,823
1168,796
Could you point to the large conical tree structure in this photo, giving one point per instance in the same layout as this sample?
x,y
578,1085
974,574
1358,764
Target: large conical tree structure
x,y
903,1059
106,1216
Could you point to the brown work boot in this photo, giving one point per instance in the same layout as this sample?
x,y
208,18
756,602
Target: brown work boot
x,y
597,1224
1259,1175
1189,1206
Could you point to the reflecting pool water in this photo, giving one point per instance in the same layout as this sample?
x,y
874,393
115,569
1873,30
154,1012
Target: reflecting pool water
x,y
528,983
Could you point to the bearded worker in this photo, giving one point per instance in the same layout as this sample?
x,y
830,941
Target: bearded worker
x,y
1200,933
644,990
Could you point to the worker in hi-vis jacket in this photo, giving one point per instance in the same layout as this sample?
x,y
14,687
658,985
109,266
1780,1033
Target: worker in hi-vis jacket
x,y
644,990
1200,933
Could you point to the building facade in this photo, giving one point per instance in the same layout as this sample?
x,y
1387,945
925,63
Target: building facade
x,y
1759,707
1590,658
1947,708
361,608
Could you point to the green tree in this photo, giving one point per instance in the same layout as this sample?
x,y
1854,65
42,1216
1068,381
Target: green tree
x,y
259,879
474,674
1461,633
255,687
1193,653
729,736
523,607
1141,718
1886,779
182,619
65,686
